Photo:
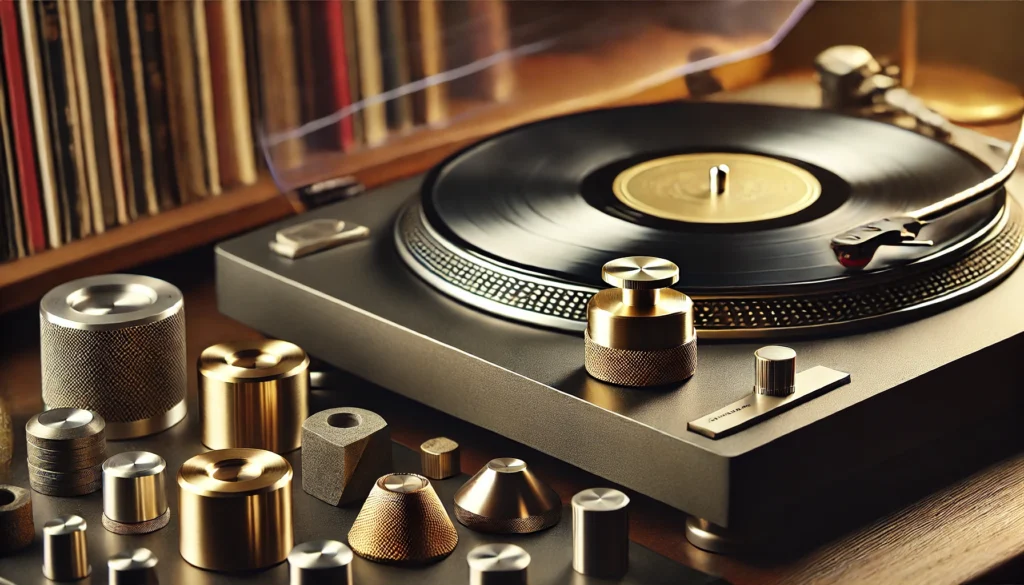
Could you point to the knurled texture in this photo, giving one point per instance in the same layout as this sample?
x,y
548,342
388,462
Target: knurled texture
x,y
627,367
136,527
859,300
524,525
16,527
128,374
403,528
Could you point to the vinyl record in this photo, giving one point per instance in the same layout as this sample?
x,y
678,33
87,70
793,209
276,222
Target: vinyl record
x,y
564,196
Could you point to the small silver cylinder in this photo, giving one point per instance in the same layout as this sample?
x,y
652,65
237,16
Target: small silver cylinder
x,y
65,557
719,178
600,533
133,567
775,371
134,493
320,562
498,564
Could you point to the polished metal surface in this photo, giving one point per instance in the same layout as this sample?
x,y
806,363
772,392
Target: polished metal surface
x,y
115,344
843,72
315,236
134,491
133,567
65,556
774,371
403,522
600,533
235,509
65,429
640,333
440,458
17,529
66,447
320,562
755,408
498,564
712,537
344,452
505,497
253,394
677,188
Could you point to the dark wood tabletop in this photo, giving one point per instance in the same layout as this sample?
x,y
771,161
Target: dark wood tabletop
x,y
969,530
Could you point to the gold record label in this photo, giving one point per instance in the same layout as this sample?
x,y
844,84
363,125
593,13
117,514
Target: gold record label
x,y
679,188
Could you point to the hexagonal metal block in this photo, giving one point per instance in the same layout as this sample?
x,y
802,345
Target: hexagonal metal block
x,y
344,451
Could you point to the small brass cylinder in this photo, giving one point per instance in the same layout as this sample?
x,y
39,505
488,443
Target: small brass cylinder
x,y
320,562
498,564
236,509
253,394
600,533
132,567
135,493
65,557
439,458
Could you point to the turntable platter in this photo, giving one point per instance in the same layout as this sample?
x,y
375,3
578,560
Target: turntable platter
x,y
564,196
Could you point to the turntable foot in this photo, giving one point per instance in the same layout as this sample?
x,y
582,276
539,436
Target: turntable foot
x,y
712,537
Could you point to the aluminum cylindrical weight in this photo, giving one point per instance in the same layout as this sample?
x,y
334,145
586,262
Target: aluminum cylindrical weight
x,y
236,509
600,533
439,458
66,447
65,557
16,527
253,394
115,344
320,562
132,567
498,564
135,493
775,371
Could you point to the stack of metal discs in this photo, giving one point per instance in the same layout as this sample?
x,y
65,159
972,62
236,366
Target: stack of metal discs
x,y
66,449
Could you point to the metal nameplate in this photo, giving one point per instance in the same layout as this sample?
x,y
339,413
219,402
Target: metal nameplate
x,y
754,408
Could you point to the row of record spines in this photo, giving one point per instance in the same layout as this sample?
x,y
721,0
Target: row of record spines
x,y
113,110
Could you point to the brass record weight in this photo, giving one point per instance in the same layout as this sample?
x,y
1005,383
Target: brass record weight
x,y
600,533
65,556
505,497
253,394
115,344
135,493
498,564
440,458
16,526
403,522
641,332
133,567
236,510
320,562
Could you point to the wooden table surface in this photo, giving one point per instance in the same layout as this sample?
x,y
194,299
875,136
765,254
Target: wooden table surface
x,y
971,530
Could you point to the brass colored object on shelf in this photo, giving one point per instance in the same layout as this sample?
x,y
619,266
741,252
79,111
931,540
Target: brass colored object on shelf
x,y
133,567
506,498
440,458
403,522
641,332
135,493
344,452
253,394
65,556
16,526
115,344
320,562
600,533
498,564
236,510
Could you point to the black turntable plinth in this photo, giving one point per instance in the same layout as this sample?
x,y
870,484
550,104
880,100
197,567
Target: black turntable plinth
x,y
470,293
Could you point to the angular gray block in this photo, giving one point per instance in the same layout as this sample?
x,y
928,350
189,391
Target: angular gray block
x,y
344,452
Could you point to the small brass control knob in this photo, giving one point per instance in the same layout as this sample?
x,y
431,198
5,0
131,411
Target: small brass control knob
x,y
775,371
439,458
641,332
65,557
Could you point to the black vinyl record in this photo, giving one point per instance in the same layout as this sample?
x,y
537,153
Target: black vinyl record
x,y
541,197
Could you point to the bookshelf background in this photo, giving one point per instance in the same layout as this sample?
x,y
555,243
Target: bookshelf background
x,y
132,130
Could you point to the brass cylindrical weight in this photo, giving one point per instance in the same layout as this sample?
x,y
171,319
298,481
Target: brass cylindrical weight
x,y
132,567
135,493
600,533
498,564
65,557
253,394
439,458
236,509
320,562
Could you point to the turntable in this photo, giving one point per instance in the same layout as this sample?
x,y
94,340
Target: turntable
x,y
863,246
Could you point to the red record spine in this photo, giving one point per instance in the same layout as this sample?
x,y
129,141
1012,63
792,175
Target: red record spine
x,y
21,127
335,25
